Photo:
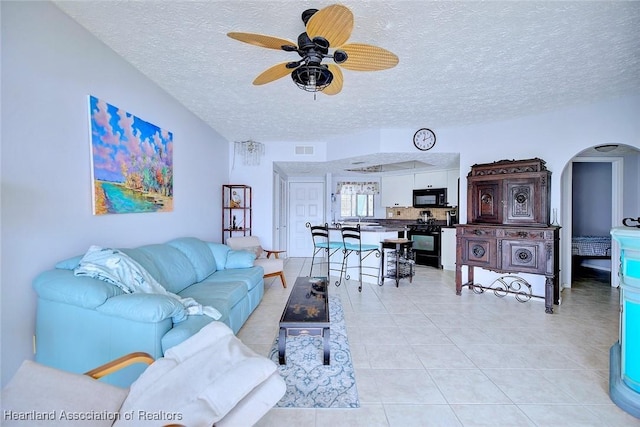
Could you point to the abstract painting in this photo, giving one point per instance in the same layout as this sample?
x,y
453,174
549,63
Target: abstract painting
x,y
132,162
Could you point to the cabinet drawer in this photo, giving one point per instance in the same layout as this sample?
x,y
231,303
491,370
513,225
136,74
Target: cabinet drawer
x,y
477,231
523,233
524,256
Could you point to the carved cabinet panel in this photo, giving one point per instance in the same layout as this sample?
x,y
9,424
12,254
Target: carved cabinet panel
x,y
485,203
523,256
479,252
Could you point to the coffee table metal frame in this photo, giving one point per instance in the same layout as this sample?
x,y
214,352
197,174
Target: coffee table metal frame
x,y
306,313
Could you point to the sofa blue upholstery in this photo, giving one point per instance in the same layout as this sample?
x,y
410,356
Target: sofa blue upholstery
x,y
82,322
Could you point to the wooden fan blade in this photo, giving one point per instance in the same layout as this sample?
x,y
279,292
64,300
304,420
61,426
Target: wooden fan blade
x,y
336,84
364,57
334,23
261,40
273,73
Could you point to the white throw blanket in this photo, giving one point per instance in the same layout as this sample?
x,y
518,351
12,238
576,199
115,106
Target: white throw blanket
x,y
200,381
119,269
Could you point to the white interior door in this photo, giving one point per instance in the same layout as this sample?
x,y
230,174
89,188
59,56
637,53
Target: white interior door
x,y
282,213
306,204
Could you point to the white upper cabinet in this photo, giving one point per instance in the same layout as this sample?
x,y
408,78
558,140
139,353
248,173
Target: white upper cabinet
x,y
397,191
440,179
436,179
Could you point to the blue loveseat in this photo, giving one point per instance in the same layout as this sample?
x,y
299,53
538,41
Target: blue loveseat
x,y
83,322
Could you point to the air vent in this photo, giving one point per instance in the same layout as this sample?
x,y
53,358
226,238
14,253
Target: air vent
x,y
304,150
389,167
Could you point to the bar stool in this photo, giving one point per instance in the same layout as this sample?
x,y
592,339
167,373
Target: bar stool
x,y
351,239
321,242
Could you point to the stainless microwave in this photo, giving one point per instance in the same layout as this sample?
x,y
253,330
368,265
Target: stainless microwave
x,y
430,198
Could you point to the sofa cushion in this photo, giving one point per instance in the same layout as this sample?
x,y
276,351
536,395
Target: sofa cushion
x,y
69,263
211,293
183,330
251,277
198,253
219,252
239,259
146,261
176,269
144,307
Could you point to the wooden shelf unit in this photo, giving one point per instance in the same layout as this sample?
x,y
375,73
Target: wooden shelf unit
x,y
236,211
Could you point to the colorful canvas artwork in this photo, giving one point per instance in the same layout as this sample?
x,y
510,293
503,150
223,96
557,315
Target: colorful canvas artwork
x,y
132,162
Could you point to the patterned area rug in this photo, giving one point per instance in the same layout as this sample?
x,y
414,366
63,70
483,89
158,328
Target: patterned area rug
x,y
310,384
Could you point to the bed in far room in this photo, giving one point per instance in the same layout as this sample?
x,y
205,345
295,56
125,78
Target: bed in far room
x,y
597,247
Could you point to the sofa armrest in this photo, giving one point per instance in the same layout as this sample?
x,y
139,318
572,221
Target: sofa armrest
x,y
62,286
144,307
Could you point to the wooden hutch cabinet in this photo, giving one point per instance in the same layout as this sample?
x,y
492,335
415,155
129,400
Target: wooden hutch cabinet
x,y
508,228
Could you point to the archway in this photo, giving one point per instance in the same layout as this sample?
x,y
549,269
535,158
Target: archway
x,y
625,191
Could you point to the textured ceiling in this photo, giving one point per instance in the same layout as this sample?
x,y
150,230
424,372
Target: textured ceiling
x,y
460,62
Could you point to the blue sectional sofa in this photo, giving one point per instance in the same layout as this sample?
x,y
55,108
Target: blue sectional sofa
x,y
83,322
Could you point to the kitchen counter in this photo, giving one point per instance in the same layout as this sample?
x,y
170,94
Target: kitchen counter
x,y
374,228
371,235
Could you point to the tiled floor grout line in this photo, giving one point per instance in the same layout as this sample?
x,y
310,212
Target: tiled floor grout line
x,y
555,368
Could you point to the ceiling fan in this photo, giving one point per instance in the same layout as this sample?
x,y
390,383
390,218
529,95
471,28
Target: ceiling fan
x,y
327,28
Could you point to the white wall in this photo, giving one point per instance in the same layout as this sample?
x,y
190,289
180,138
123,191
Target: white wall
x,y
555,137
49,66
591,199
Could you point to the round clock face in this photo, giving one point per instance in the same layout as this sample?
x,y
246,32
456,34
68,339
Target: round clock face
x,y
424,139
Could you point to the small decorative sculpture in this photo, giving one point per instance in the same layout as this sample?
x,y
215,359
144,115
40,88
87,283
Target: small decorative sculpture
x,y
235,200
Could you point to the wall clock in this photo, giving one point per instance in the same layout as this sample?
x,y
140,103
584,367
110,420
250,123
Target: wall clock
x,y
424,139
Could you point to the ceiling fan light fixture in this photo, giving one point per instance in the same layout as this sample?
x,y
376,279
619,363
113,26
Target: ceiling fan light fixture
x,y
312,77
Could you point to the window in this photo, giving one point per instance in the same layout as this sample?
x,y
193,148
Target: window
x,y
360,205
356,198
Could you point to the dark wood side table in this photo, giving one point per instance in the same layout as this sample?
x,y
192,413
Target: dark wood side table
x,y
306,313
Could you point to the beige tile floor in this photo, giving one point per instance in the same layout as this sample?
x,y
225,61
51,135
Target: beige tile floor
x,y
426,357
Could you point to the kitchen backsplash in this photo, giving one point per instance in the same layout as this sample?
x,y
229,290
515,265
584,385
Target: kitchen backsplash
x,y
439,214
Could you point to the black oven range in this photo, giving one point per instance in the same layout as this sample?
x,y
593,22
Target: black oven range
x,y
426,243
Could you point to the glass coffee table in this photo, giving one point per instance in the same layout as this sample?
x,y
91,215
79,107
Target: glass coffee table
x,y
306,313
